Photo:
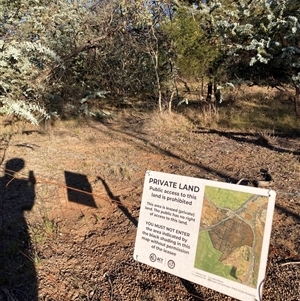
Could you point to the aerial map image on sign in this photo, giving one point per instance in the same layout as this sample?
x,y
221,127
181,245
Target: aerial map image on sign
x,y
231,234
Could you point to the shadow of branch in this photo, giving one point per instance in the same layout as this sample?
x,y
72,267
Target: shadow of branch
x,y
288,212
117,200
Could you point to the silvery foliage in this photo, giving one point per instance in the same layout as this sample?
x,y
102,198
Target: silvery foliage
x,y
34,38
20,65
263,28
94,95
88,110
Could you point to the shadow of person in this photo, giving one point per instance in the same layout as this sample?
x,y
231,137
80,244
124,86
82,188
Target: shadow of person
x,y
17,269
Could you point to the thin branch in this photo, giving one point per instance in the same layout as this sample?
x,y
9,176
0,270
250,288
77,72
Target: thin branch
x,y
88,45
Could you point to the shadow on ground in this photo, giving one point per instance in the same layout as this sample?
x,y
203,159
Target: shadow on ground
x,y
17,273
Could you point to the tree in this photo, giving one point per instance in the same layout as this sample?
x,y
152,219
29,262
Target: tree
x,y
262,41
144,23
33,49
68,47
194,50
120,65
196,46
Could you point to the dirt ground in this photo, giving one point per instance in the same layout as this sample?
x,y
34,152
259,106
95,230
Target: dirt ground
x,y
70,245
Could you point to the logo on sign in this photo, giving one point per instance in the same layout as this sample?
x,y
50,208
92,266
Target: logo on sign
x,y
171,264
152,257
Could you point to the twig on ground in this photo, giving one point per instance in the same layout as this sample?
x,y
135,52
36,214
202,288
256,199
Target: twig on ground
x,y
107,276
290,262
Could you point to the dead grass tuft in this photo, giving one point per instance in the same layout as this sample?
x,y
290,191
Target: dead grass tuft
x,y
168,124
202,115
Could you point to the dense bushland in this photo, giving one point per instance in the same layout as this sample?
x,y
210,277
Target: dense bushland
x,y
61,58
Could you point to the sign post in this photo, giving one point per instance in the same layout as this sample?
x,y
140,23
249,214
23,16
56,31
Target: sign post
x,y
211,233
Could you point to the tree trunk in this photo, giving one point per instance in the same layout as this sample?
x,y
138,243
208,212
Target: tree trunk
x,y
209,91
154,58
297,102
170,102
217,92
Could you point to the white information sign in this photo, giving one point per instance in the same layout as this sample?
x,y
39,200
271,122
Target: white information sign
x,y
211,233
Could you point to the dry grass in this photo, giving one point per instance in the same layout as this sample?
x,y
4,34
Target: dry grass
x,y
170,124
204,115
243,108
247,108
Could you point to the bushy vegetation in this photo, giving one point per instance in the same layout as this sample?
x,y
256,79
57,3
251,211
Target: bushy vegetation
x,y
54,54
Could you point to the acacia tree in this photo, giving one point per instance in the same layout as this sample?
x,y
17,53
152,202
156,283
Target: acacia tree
x,y
261,39
60,46
37,38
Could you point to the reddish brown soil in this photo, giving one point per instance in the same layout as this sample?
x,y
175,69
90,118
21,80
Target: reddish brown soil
x,y
84,251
